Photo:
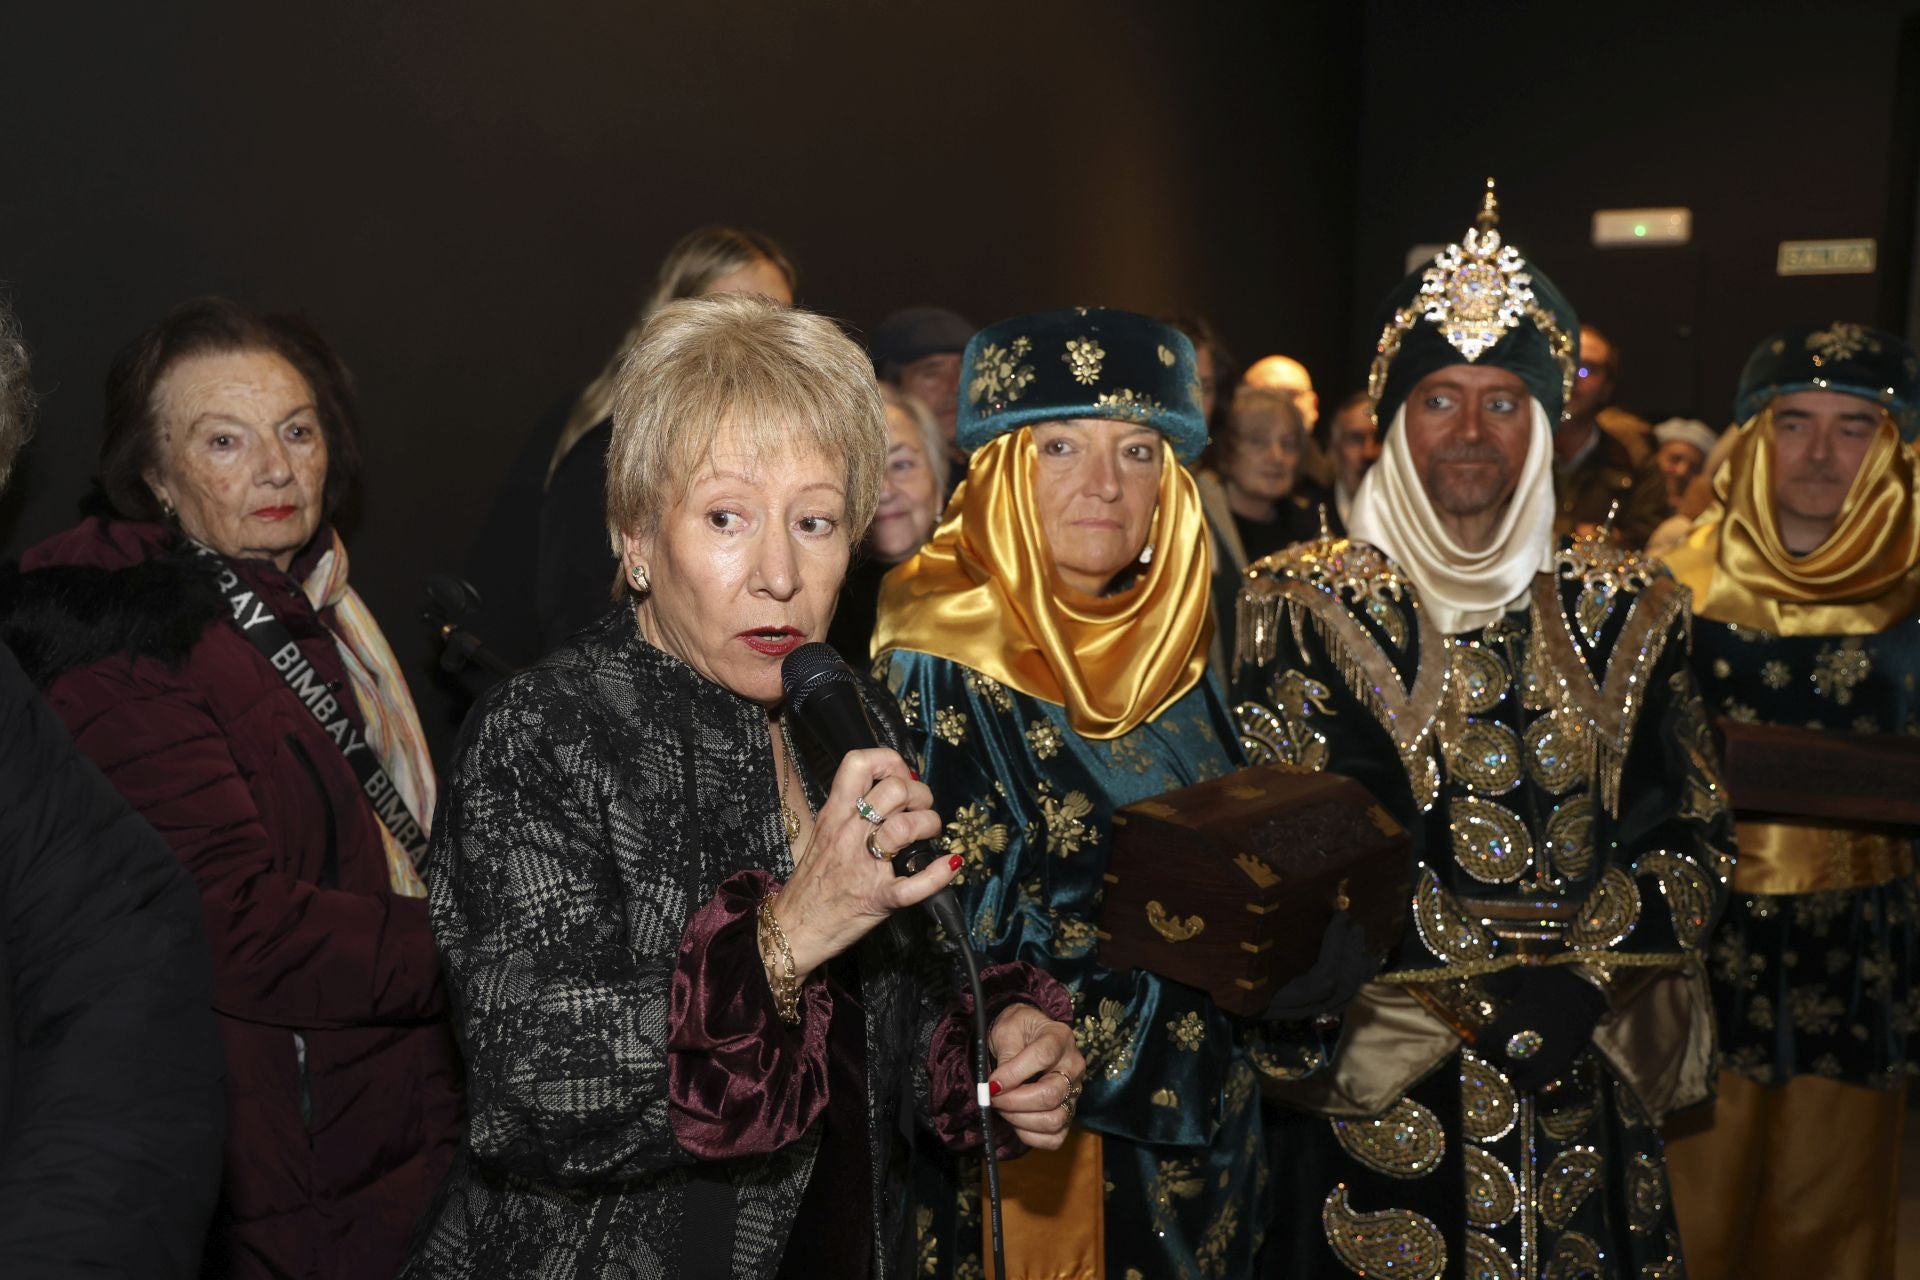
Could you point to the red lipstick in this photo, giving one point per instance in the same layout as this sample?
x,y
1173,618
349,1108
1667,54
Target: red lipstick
x,y
273,513
774,642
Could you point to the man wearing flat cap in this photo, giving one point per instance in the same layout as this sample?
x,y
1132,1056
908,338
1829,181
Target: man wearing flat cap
x,y
1805,576
917,349
1527,713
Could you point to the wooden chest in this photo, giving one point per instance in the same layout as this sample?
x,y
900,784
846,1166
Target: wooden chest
x,y
1817,773
1228,885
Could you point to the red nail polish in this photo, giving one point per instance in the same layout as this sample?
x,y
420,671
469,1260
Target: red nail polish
x,y
915,776
953,863
993,1088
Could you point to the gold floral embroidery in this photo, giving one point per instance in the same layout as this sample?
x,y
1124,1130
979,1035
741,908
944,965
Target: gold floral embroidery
x,y
1165,1098
1406,1142
1776,674
1217,1239
1565,1114
910,708
1286,733
989,690
950,726
998,375
926,1242
1188,1031
1841,341
1572,1175
1239,1090
1067,831
1044,737
1836,670
1394,1242
1072,937
1814,1010
1129,752
1739,712
1082,358
1166,356
1172,1180
973,835
1105,1040
1129,405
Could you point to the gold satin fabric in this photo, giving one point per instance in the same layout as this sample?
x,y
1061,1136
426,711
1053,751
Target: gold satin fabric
x,y
1788,1182
1864,578
1053,1212
984,593
1809,857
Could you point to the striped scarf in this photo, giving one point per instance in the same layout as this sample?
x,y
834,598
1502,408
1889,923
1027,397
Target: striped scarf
x,y
393,726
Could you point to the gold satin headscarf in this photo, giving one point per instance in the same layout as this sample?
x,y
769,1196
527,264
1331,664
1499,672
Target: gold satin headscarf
x,y
984,593
1864,578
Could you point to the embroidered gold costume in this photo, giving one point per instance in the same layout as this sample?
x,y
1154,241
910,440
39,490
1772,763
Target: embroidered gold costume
x,y
1814,963
1545,744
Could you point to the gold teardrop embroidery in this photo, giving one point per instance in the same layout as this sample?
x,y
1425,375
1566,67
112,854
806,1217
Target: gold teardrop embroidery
x,y
1486,1260
1480,678
1488,1100
1569,837
1492,1192
1486,756
1573,1173
1558,751
1575,1257
1406,1142
1394,1242
1490,842
1444,926
1609,913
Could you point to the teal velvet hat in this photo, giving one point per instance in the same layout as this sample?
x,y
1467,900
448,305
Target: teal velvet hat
x,y
1477,302
1087,362
1848,358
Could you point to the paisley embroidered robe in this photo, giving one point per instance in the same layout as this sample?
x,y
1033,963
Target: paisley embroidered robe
x,y
1555,768
1172,1082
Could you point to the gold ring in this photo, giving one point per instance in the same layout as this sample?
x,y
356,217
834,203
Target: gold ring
x,y
873,847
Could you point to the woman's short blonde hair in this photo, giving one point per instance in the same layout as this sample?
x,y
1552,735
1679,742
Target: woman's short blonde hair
x,y
1253,405
777,380
932,442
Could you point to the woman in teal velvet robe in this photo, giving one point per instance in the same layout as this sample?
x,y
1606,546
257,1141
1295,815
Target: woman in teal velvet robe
x,y
1049,647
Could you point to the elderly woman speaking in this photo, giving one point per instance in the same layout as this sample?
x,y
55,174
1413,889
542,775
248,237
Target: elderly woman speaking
x,y
1050,645
691,1017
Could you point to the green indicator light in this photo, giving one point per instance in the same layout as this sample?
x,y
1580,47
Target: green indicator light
x,y
1639,228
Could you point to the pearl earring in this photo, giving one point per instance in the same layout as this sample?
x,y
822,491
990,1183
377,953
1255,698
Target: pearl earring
x,y
1146,554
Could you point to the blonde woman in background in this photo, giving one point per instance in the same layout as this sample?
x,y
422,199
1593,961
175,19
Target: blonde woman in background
x,y
576,569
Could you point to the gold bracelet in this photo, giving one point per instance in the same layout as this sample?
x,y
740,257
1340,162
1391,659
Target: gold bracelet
x,y
785,986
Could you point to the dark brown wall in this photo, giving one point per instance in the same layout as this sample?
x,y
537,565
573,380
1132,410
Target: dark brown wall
x,y
469,198
1770,121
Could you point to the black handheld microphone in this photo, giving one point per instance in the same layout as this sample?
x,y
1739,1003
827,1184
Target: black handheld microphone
x,y
823,695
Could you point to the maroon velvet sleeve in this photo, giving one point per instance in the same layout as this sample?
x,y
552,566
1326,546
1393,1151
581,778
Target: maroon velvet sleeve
x,y
955,1115
741,1081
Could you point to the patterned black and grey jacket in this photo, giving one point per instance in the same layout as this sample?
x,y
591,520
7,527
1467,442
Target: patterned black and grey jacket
x,y
600,801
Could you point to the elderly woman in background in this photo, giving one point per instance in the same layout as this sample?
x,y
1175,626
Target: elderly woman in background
x,y
914,479
1254,497
1049,649
205,650
690,1013
576,573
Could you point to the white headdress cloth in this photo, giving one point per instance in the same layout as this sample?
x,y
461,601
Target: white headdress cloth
x,y
1460,590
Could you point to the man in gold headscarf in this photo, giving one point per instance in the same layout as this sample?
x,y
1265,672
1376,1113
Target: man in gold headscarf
x,y
1806,587
1050,647
1528,715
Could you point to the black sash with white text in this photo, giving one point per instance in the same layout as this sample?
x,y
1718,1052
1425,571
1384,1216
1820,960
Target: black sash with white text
x,y
265,632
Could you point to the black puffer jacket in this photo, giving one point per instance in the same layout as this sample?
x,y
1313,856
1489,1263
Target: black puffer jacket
x,y
110,1094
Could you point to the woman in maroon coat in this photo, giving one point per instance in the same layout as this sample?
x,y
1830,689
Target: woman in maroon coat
x,y
204,649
